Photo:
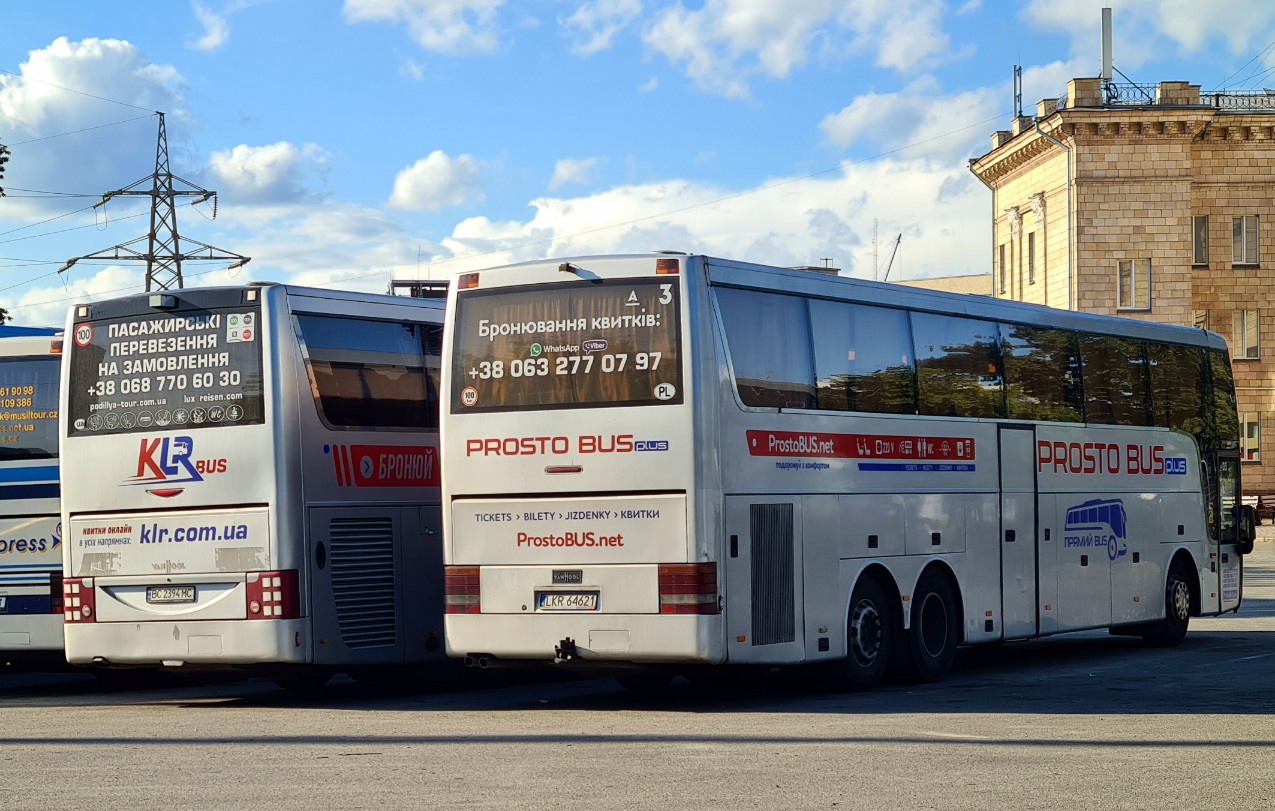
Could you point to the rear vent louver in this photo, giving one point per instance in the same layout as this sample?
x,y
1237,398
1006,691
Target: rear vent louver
x,y
772,573
362,567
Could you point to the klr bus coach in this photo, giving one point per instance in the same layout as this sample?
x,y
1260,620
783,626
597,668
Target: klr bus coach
x,y
659,463
251,481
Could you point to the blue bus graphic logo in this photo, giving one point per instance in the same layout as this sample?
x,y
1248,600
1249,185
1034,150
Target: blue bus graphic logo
x,y
1098,523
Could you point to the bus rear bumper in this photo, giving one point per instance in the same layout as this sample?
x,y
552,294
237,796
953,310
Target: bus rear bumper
x,y
175,644
598,639
31,633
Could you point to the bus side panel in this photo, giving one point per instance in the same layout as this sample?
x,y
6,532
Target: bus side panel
x,y
1050,538
825,603
978,570
30,554
764,595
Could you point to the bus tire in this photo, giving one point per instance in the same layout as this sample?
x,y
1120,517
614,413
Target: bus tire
x,y
927,650
869,635
1170,631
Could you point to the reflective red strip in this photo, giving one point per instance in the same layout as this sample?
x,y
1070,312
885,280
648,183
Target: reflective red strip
x,y
462,593
688,588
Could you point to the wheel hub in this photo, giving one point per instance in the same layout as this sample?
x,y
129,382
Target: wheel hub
x,y
865,633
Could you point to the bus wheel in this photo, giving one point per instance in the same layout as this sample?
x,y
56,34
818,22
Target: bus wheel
x,y
868,637
1170,631
927,650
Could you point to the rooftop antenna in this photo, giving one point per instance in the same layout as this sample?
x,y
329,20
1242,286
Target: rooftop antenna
x,y
1018,91
1106,50
893,251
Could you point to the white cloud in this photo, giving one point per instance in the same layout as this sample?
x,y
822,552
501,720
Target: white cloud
x,y
216,29
411,70
445,26
34,106
216,24
650,85
594,24
940,208
726,43
922,118
1139,27
437,181
572,170
258,174
932,123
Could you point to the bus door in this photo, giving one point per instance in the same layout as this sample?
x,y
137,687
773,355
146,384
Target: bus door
x,y
763,580
1018,531
1224,529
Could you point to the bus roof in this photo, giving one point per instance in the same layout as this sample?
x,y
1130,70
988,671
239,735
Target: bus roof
x,y
219,293
765,277
27,332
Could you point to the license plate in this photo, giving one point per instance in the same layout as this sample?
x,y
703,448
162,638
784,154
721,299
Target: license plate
x,y
170,594
566,601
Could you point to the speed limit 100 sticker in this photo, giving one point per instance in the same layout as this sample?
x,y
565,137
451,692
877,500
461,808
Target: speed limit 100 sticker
x,y
83,334
469,396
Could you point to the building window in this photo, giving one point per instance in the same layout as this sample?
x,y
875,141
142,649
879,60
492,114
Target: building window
x,y
1251,437
1200,240
1031,258
1244,335
1200,318
1133,286
1244,244
1004,271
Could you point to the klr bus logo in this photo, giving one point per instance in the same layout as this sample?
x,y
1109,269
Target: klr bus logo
x,y
1098,523
169,460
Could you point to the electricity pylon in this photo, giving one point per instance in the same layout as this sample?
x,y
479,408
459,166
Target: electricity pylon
x,y
164,247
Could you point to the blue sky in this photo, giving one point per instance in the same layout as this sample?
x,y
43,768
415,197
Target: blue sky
x,y
353,142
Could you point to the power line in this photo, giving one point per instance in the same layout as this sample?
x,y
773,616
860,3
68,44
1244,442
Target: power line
x,y
72,90
77,132
65,230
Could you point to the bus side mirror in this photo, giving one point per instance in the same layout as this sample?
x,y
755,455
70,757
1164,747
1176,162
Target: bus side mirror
x,y
1247,529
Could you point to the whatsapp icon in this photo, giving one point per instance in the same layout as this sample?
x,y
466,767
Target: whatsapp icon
x,y
536,349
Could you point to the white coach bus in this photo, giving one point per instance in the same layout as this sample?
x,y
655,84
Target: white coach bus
x,y
653,463
250,481
30,526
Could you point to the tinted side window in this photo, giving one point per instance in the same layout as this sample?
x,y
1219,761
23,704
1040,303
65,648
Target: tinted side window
x,y
373,374
1226,423
863,358
958,366
1115,380
1042,374
1178,388
768,337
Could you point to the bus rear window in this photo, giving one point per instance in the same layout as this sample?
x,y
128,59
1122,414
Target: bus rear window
x,y
150,371
373,374
28,408
573,345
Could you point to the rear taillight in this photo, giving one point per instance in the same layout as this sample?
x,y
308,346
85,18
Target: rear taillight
x,y
461,593
688,588
55,593
273,595
78,600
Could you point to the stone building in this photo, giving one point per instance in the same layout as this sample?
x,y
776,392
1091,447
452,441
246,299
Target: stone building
x,y
1149,203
